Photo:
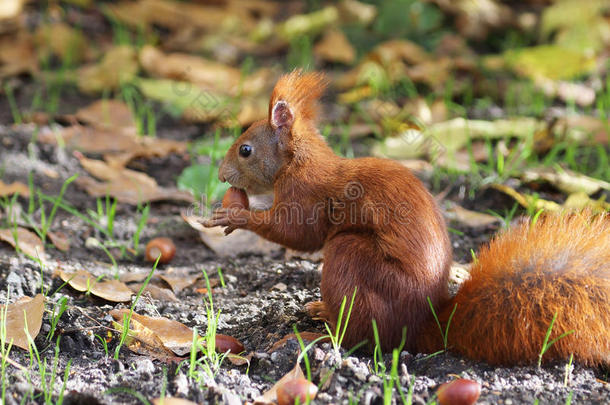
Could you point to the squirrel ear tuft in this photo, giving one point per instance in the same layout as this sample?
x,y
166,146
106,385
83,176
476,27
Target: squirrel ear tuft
x,y
281,115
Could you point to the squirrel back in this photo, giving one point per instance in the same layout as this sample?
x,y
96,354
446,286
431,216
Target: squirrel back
x,y
558,266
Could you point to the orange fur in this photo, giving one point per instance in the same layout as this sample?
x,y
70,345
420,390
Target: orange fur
x,y
382,233
521,279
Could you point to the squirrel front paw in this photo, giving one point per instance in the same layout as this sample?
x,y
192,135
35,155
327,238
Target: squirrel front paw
x,y
318,311
230,218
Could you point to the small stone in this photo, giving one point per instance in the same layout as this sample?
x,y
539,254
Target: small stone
x,y
280,287
360,376
275,357
182,384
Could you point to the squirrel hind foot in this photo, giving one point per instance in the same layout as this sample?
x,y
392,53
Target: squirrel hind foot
x,y
318,311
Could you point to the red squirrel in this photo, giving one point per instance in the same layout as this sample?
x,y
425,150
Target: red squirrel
x,y
383,234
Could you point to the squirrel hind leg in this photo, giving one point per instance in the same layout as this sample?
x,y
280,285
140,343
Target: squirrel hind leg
x,y
382,293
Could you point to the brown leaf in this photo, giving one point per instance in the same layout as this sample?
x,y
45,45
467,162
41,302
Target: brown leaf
x,y
61,40
140,339
238,242
180,280
470,218
240,360
28,312
158,293
475,18
17,55
60,240
108,115
176,15
110,290
334,47
172,401
128,186
173,335
565,180
190,68
356,11
271,395
130,192
133,277
27,241
14,187
118,146
528,201
89,140
118,65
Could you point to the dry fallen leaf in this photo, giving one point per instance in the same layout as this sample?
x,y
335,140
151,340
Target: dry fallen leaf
x,y
119,146
549,62
15,187
26,240
129,191
565,180
60,240
474,19
173,335
470,218
238,242
141,339
127,186
61,40
308,24
110,290
109,115
449,136
270,396
175,15
28,312
334,47
202,72
581,201
179,281
172,401
356,11
156,292
17,55
118,65
528,201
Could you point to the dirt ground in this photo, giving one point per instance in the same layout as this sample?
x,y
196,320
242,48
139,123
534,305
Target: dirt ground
x,y
262,301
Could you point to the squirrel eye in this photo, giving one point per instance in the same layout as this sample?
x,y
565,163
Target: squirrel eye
x,y
245,150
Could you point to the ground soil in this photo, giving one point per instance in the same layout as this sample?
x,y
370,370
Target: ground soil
x,y
263,301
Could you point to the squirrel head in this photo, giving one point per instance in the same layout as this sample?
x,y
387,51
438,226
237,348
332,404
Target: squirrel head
x,y
258,155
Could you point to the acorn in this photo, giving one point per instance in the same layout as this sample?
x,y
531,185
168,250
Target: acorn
x,y
235,198
300,388
160,246
459,392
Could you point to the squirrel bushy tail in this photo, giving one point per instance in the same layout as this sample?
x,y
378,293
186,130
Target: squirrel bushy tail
x,y
558,265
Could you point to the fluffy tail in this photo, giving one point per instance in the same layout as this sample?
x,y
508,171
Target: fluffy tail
x,y
301,92
558,266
